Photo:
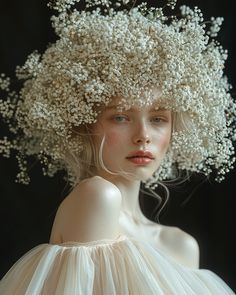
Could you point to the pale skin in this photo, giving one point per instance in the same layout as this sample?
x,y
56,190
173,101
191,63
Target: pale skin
x,y
95,208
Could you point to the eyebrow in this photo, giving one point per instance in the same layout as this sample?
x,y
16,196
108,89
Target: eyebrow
x,y
161,109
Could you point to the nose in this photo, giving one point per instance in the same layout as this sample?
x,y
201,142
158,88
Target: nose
x,y
142,135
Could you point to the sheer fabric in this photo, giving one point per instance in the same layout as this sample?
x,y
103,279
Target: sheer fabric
x,y
121,266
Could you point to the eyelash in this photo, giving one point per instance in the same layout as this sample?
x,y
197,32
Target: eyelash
x,y
119,116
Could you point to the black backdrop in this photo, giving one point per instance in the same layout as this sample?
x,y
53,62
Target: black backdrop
x,y
27,212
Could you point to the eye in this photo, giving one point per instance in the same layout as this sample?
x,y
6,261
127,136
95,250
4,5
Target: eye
x,y
157,120
119,118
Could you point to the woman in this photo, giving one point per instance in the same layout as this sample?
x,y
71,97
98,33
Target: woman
x,y
123,96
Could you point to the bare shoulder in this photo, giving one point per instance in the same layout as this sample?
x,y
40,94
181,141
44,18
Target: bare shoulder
x,y
96,190
89,212
181,245
98,187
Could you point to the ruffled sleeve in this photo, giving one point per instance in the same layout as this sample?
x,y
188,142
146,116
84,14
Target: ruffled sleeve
x,y
121,266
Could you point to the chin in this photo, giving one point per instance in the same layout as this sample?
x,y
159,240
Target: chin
x,y
140,175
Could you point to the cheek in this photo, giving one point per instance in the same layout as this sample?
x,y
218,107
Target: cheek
x,y
163,139
113,138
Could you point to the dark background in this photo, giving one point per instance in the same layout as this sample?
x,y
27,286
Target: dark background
x,y
204,209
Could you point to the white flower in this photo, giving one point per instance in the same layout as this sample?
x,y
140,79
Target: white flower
x,y
101,53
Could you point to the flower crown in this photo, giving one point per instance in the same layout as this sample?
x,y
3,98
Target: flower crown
x,y
117,48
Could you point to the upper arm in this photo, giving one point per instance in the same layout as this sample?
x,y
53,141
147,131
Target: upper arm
x,y
90,213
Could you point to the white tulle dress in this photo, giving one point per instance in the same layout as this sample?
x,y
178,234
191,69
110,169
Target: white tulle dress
x,y
125,265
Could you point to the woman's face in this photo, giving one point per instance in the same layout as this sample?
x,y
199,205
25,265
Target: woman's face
x,y
135,140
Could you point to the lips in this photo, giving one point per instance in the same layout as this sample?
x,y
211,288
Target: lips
x,y
141,154
140,160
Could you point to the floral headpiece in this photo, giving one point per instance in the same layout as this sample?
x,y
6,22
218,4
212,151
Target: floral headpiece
x,y
114,48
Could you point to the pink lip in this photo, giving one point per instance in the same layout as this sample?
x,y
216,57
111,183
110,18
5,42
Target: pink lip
x,y
140,160
141,154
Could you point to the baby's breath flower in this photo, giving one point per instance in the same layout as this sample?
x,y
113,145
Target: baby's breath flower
x,y
215,26
4,82
171,3
5,147
105,51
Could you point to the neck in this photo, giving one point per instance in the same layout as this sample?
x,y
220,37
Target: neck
x,y
129,191
130,194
